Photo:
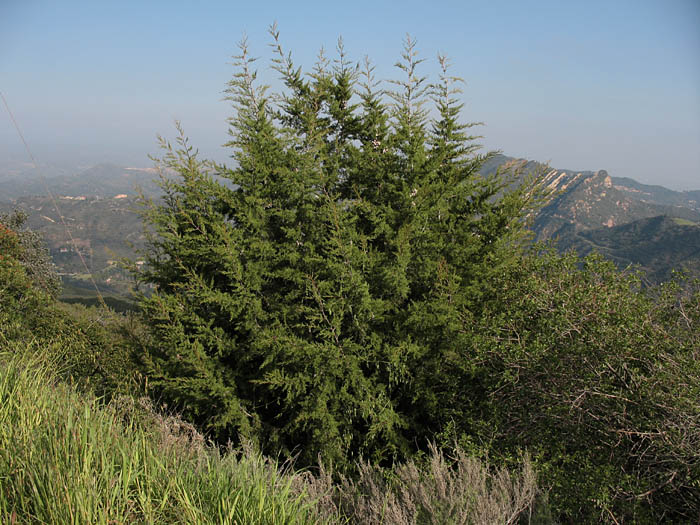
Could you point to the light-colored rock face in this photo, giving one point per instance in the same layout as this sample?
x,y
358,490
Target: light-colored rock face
x,y
560,181
624,204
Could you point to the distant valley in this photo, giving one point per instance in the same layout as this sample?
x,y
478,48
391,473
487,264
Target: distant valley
x,y
99,207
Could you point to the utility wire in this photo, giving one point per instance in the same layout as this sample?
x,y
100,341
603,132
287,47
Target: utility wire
x,y
55,203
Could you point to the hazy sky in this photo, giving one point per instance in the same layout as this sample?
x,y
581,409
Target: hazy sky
x,y
585,85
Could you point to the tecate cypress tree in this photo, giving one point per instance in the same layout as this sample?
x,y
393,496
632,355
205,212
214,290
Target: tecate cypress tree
x,y
314,298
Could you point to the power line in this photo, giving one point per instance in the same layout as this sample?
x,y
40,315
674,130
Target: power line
x,y
55,203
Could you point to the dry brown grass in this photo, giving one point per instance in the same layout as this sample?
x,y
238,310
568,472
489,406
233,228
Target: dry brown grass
x,y
454,490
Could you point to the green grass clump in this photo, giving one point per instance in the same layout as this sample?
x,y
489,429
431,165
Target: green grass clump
x,y
68,458
684,222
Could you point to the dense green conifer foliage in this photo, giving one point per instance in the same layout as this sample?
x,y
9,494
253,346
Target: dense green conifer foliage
x,y
317,306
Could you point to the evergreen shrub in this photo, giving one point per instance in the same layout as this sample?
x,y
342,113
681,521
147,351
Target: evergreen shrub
x,y
314,297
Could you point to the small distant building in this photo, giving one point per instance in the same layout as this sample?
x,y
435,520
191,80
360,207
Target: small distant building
x,y
78,198
121,196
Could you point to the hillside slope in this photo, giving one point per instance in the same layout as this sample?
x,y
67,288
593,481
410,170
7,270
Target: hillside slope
x,y
590,200
627,222
658,245
657,194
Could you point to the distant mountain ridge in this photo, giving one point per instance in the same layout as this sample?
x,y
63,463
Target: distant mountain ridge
x,y
590,200
657,194
593,199
102,180
628,222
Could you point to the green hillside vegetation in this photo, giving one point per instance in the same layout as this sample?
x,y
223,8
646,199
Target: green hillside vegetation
x,y
82,291
68,458
659,245
684,222
358,297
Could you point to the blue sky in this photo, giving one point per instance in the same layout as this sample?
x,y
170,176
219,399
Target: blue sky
x,y
591,85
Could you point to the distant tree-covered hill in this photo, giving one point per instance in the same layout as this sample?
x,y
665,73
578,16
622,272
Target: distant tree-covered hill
x,y
658,245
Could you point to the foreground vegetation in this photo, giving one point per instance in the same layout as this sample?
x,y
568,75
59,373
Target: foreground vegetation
x,y
356,295
65,458
69,458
